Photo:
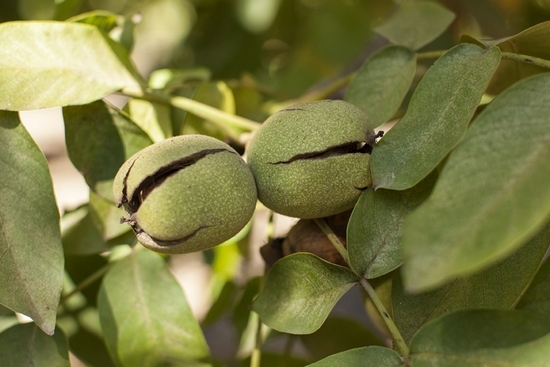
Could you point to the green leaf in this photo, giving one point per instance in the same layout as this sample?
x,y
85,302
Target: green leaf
x,y
99,139
87,229
474,338
537,297
438,114
382,83
48,64
145,317
499,286
276,360
336,335
215,94
300,291
492,194
27,345
106,217
80,234
416,23
31,254
375,227
366,356
534,41
103,20
153,118
65,8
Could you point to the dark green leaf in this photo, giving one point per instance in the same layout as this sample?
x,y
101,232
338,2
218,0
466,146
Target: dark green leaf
x,y
31,254
27,345
277,360
99,139
222,304
300,291
145,317
438,114
416,23
474,338
106,217
87,229
65,8
382,82
241,312
492,194
48,64
375,227
366,356
499,286
537,297
336,335
80,234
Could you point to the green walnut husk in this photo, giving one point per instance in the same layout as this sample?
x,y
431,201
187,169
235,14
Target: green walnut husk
x,y
185,194
311,160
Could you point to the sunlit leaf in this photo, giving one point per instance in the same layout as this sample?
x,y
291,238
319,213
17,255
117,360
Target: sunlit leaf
x,y
375,227
499,286
300,291
474,338
48,64
366,356
382,82
438,114
416,23
99,139
27,345
492,194
215,94
154,119
145,317
31,254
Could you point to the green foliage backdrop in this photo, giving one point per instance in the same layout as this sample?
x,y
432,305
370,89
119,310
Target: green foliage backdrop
x,y
447,248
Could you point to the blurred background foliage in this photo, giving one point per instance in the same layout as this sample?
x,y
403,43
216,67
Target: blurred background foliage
x,y
277,48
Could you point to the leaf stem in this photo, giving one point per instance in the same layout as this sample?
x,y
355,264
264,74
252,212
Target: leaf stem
x,y
85,283
430,55
221,118
526,59
256,356
333,238
398,340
